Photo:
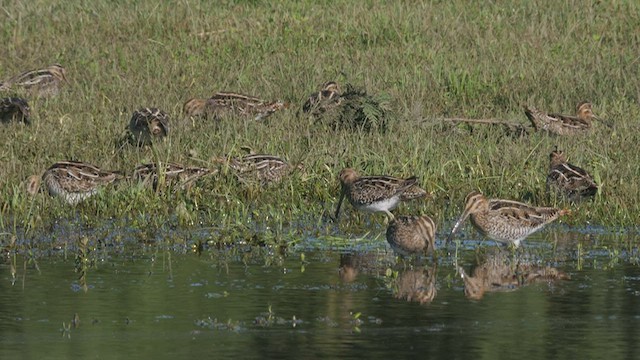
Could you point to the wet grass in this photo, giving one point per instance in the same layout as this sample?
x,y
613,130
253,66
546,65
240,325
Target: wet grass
x,y
431,60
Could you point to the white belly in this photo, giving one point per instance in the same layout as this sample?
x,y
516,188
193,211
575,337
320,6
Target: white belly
x,y
383,205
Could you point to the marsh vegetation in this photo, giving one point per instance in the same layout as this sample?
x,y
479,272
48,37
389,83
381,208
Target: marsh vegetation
x,y
428,60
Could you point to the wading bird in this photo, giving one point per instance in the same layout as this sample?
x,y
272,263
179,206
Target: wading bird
x,y
505,221
376,193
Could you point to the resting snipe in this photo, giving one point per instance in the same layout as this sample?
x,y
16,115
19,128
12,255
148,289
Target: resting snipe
x,y
563,124
328,97
147,124
14,109
505,221
569,181
41,82
229,102
376,193
183,176
266,169
73,181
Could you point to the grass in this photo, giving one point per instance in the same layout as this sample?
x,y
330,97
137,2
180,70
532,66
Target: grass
x,y
430,59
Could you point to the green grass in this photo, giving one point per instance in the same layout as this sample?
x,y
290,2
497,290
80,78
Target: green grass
x,y
431,59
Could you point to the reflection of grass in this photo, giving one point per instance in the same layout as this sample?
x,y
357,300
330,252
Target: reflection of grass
x,y
437,60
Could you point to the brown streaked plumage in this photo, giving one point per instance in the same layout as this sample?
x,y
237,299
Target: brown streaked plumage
x,y
148,124
498,272
505,221
417,285
408,235
266,169
14,109
328,97
73,181
196,107
562,124
229,102
183,176
569,181
376,193
41,82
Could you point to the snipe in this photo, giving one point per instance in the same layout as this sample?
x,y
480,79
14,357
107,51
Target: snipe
x,y
263,168
376,193
14,109
183,177
148,124
569,181
563,124
73,181
505,221
408,235
222,103
328,97
40,82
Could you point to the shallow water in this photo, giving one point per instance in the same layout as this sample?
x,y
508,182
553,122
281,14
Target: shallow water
x,y
144,301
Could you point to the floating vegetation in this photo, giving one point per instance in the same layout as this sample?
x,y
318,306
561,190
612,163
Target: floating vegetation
x,y
214,324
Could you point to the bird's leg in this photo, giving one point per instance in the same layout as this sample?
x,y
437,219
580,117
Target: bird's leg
x,y
390,218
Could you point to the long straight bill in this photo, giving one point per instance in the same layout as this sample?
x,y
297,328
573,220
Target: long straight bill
x,y
461,220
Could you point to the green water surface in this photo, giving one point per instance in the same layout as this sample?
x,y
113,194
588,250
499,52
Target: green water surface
x,y
147,302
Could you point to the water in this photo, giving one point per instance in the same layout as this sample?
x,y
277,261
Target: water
x,y
147,302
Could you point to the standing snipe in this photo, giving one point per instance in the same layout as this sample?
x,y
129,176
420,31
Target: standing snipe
x,y
568,180
183,176
376,193
229,102
505,221
321,101
562,124
14,109
73,181
147,124
266,169
41,82
409,235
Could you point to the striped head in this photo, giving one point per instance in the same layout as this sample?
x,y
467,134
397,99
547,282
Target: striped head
x,y
411,234
58,72
584,111
474,202
156,120
557,157
348,176
147,123
331,86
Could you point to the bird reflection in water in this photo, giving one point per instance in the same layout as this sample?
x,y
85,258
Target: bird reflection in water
x,y
499,272
415,285
352,264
